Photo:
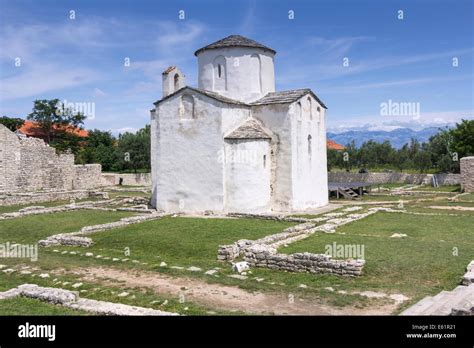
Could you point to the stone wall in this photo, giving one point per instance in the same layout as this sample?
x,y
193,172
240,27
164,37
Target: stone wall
x,y
29,164
259,256
394,178
13,198
467,174
263,252
131,179
87,176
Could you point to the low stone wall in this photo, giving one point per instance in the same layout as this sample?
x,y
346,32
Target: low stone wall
x,y
71,299
394,178
259,255
13,198
138,179
79,239
467,174
87,176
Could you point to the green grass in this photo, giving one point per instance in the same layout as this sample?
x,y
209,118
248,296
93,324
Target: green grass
x,y
30,229
29,306
467,197
447,188
16,207
418,265
182,241
93,290
115,194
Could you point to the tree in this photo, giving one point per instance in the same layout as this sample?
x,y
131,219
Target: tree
x,y
134,150
54,118
422,161
100,147
12,123
462,139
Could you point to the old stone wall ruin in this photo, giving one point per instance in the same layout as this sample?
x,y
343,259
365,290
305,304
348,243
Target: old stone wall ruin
x,y
467,174
394,178
29,164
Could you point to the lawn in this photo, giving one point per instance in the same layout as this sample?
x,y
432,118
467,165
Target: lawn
x,y
418,265
29,306
115,194
16,207
447,188
182,241
30,229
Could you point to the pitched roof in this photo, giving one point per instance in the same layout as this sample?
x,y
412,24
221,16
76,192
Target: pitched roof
x,y
32,129
250,129
234,41
168,70
332,145
283,97
209,94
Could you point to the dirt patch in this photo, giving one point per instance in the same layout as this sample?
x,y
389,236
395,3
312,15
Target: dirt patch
x,y
222,296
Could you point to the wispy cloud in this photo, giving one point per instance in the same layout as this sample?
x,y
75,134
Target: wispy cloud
x,y
44,79
376,122
174,34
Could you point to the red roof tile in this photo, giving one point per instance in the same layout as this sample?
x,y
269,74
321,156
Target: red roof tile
x,y
332,145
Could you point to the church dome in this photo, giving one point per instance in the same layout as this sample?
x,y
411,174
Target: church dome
x,y
237,67
234,41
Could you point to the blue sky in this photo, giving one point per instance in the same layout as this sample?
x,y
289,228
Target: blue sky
x,y
82,60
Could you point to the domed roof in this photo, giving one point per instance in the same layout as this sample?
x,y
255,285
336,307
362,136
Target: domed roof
x,y
234,41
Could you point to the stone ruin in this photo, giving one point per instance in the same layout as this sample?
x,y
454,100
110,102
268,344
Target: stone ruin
x,y
29,164
467,174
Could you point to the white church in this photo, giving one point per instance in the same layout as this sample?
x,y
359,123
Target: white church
x,y
234,144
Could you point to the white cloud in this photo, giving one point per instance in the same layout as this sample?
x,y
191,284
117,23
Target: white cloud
x,y
38,80
375,122
172,34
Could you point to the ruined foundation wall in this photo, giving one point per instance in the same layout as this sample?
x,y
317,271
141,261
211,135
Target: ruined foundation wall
x,y
394,178
29,164
467,174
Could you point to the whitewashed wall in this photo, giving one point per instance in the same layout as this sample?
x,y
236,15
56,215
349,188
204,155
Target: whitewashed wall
x,y
247,175
309,167
276,118
187,170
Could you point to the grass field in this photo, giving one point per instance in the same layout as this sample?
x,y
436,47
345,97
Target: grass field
x,y
421,264
425,262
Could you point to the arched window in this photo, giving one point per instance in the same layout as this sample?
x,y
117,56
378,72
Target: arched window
x,y
318,113
220,83
187,107
255,77
176,82
310,106
310,148
299,111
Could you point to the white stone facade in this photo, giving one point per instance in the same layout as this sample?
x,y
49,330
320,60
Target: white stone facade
x,y
234,144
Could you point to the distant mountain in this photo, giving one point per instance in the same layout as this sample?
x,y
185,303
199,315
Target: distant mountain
x,y
397,137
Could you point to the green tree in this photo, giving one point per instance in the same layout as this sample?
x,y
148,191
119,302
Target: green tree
x,y
462,139
12,123
133,150
100,147
53,117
